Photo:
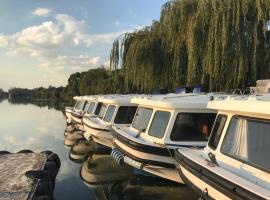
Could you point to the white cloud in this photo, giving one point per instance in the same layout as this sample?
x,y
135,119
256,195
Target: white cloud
x,y
3,40
41,12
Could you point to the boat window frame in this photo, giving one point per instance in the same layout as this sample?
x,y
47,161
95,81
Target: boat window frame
x,y
143,131
151,123
122,106
92,102
179,113
226,118
106,105
238,159
115,108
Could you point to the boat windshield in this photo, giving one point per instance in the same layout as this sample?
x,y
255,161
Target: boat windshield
x,y
125,114
86,106
248,140
91,107
142,118
78,105
159,124
98,108
192,126
102,111
109,113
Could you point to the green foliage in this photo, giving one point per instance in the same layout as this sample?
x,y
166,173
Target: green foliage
x,y
219,44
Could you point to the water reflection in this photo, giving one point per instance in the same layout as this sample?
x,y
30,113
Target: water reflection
x,y
28,126
111,181
40,126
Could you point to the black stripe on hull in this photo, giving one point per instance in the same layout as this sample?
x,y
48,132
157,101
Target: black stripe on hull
x,y
219,183
144,161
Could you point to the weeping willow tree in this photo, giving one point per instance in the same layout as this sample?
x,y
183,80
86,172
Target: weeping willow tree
x,y
221,44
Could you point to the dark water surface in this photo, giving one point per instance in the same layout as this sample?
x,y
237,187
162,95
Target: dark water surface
x,y
39,127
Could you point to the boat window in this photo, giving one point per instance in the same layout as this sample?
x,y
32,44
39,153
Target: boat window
x,y
125,114
98,108
192,126
86,106
159,124
78,105
248,140
142,118
102,111
109,113
217,131
91,107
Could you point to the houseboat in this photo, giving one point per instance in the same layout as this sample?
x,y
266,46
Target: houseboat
x,y
91,108
236,162
161,124
115,110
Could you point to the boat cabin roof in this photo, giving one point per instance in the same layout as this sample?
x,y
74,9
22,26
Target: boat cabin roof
x,y
116,99
91,98
79,98
174,101
257,104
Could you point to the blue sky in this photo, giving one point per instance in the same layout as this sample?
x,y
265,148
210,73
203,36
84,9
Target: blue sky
x,y
43,41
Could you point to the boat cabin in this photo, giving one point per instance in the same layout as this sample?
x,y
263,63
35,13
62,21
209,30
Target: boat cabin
x,y
236,162
161,124
114,110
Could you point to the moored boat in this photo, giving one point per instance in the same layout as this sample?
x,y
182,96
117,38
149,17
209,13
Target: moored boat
x,y
69,110
161,124
115,110
236,163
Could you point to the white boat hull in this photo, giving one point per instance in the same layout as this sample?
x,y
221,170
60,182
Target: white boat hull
x,y
164,172
99,136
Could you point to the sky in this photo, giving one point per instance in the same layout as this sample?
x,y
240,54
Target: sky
x,y
42,42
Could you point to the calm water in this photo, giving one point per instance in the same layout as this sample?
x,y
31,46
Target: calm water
x,y
40,127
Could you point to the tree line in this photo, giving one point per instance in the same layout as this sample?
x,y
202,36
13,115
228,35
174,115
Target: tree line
x,y
219,44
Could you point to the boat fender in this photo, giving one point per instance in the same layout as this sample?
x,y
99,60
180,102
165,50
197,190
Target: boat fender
x,y
25,151
4,152
45,188
38,174
117,156
43,197
54,158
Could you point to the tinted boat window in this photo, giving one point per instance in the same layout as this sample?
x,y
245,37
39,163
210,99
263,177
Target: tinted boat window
x,y
125,114
91,107
217,131
86,106
248,140
192,126
142,118
98,108
102,111
109,113
159,124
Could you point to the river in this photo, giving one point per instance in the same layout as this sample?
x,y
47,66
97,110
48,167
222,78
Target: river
x,y
40,126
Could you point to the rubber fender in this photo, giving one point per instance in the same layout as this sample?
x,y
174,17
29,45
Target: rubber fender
x,y
25,151
43,197
4,152
45,188
47,152
38,174
54,158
